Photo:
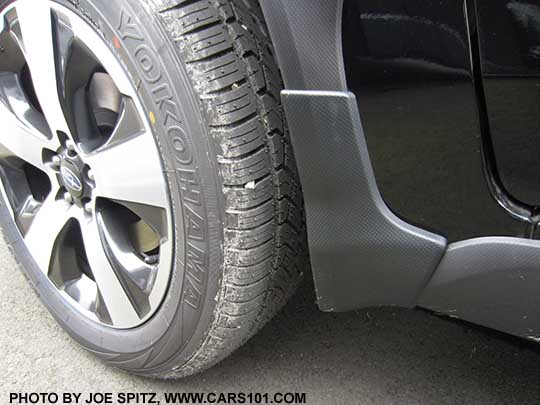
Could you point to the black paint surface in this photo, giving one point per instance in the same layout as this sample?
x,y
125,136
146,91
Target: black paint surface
x,y
409,65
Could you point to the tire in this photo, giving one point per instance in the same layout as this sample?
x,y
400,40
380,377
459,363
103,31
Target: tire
x,y
208,82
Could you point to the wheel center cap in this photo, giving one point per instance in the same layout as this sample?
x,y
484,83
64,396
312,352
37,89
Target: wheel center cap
x,y
71,177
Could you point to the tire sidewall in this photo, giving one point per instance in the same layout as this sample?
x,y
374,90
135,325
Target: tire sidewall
x,y
179,326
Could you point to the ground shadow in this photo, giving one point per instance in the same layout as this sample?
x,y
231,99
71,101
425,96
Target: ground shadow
x,y
377,356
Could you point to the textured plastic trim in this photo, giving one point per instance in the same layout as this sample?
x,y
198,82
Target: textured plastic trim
x,y
306,35
494,282
362,254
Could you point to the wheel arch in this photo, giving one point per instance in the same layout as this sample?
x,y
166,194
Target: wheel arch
x,y
306,35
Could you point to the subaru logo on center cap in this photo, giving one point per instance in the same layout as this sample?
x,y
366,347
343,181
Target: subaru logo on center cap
x,y
71,180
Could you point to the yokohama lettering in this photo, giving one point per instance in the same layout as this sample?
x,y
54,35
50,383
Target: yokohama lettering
x,y
187,174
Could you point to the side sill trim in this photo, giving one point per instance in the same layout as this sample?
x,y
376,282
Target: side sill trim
x,y
493,282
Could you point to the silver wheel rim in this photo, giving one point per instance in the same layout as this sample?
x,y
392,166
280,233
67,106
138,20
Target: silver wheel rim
x,y
79,166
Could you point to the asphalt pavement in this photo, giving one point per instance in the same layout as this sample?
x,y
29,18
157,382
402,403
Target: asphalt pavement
x,y
380,356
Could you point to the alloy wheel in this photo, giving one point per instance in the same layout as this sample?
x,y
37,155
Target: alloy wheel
x,y
79,166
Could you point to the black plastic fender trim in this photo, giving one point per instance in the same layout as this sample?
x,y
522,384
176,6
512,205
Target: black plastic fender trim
x,y
494,282
306,35
362,254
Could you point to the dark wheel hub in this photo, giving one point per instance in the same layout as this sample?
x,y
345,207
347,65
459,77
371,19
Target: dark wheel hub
x,y
75,176
71,179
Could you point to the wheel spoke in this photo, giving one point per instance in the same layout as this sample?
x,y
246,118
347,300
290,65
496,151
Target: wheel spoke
x,y
130,172
128,126
22,141
115,298
47,224
134,274
36,23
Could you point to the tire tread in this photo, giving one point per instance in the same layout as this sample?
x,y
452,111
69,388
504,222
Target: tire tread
x,y
229,58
